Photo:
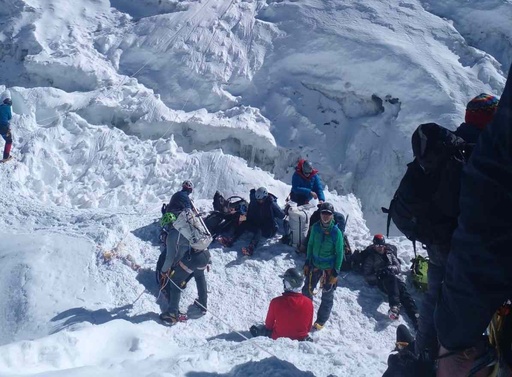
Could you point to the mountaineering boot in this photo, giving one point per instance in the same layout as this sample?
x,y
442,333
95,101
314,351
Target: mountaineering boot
x,y
285,239
249,250
394,313
5,159
317,326
172,319
225,241
403,337
199,306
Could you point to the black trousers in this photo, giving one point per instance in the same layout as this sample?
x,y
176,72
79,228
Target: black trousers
x,y
324,311
398,294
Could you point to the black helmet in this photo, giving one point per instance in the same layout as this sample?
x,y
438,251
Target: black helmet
x,y
379,239
326,207
293,277
307,168
7,101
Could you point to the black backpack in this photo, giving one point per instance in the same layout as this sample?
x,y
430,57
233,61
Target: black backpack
x,y
229,205
425,205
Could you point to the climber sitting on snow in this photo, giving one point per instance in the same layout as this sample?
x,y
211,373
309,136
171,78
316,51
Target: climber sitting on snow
x,y
289,315
261,220
381,268
306,184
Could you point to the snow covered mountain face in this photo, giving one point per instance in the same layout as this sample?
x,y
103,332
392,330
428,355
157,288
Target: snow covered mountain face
x,y
117,102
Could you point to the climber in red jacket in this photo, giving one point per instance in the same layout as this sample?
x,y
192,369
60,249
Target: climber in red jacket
x,y
289,315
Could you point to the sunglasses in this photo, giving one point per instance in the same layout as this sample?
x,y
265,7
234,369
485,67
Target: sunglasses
x,y
326,213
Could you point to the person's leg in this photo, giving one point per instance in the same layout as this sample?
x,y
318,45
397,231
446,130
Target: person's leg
x,y
202,289
390,286
7,136
311,282
257,233
324,311
409,304
426,337
239,230
174,286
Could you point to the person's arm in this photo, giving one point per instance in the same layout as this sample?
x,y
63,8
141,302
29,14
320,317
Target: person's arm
x,y
296,186
278,212
171,246
271,316
478,278
9,112
318,188
340,251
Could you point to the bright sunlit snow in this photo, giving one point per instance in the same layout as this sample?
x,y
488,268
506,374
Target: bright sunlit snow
x,y
117,102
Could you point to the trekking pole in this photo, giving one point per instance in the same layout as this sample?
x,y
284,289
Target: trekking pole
x,y
137,299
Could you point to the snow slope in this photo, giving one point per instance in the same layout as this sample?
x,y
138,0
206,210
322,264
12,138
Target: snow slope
x,y
117,102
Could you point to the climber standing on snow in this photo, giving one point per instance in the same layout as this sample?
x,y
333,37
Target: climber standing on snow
x,y
306,184
5,124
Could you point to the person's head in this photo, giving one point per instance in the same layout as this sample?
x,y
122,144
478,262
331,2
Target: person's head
x,y
326,212
480,110
307,168
187,186
379,243
429,142
261,194
293,280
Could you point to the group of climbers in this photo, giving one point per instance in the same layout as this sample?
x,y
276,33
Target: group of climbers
x,y
324,249
425,208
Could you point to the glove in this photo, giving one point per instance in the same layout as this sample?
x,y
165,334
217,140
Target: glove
x,y
208,267
314,195
392,270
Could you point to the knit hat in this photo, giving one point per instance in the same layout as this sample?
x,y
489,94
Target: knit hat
x,y
480,110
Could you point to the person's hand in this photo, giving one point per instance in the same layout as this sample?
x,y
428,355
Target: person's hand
x,y
314,195
392,269
320,201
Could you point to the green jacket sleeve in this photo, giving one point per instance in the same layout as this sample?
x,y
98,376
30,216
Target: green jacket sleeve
x,y
339,251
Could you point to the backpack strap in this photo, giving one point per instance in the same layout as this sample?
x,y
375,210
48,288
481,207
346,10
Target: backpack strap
x,y
334,233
